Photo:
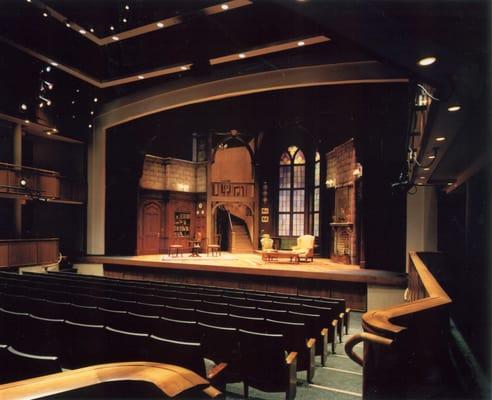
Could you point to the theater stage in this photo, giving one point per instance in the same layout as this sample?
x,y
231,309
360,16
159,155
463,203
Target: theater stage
x,y
248,271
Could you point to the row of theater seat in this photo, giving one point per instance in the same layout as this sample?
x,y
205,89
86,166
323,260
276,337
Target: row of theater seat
x,y
208,329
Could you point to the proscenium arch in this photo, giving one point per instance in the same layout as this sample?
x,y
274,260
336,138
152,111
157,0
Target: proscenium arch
x,y
176,95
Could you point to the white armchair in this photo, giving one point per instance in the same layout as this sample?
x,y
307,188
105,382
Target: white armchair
x,y
304,247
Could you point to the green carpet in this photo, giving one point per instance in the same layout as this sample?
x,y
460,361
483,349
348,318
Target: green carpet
x,y
340,379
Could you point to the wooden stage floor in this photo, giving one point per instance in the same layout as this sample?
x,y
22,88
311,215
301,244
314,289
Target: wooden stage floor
x,y
252,264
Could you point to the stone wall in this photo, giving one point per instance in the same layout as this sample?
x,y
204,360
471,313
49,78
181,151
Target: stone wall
x,y
173,174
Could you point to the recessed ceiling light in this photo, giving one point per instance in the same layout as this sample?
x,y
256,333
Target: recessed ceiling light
x,y
431,157
55,130
125,20
421,177
127,7
242,55
95,99
73,101
55,64
450,183
45,14
224,7
141,77
48,133
73,116
426,169
454,108
82,31
111,27
23,106
67,24
160,25
48,69
77,90
90,125
426,61
41,105
28,1
27,121
184,68
440,139
92,112
115,38
92,30
300,43
420,184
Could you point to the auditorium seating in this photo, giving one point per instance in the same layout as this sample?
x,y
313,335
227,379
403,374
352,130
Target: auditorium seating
x,y
96,317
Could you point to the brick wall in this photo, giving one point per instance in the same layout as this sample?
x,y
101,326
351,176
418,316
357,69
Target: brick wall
x,y
173,174
341,163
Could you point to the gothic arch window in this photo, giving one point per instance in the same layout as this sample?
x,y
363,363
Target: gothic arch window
x,y
292,192
317,166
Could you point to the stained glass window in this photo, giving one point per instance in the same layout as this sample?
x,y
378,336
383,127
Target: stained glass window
x,y
292,193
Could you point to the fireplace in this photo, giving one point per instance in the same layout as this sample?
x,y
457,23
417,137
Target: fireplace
x,y
342,233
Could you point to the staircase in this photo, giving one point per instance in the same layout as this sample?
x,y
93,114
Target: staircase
x,y
241,242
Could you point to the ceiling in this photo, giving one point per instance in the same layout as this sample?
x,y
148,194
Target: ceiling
x,y
194,32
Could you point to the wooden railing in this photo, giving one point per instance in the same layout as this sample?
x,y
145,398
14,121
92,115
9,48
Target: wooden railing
x,y
169,379
40,183
405,346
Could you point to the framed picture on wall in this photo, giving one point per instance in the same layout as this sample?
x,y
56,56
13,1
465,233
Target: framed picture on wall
x,y
265,218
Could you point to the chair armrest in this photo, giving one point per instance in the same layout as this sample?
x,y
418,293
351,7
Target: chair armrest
x,y
212,392
295,248
334,323
311,343
291,358
324,331
347,310
216,370
341,315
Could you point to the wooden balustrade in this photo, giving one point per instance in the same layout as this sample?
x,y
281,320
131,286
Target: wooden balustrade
x,y
405,346
171,380
25,252
40,183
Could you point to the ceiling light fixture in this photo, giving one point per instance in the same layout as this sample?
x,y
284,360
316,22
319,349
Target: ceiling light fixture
x,y
141,77
300,43
454,108
92,30
422,177
431,157
27,121
426,169
90,125
426,61
111,27
48,133
92,112
160,25
41,105
55,64
115,38
95,99
127,7
242,55
125,20
82,31
67,24
23,106
184,68
440,139
45,14
224,7
48,69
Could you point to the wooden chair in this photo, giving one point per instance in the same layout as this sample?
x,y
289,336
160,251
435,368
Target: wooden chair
x,y
215,248
16,365
296,339
264,364
175,250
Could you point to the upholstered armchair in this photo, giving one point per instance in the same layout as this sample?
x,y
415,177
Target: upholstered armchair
x,y
266,242
305,247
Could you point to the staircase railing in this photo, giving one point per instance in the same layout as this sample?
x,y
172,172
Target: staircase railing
x,y
232,234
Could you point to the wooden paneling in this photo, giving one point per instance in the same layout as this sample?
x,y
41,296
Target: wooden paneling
x,y
49,186
19,253
354,293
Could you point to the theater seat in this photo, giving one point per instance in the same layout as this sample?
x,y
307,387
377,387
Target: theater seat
x,y
16,365
265,364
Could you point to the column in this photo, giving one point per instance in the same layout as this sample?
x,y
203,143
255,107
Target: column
x,y
17,152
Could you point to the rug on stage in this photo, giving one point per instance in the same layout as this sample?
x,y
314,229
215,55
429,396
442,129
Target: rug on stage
x,y
203,257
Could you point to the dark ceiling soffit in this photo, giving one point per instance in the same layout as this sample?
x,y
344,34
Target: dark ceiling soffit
x,y
140,30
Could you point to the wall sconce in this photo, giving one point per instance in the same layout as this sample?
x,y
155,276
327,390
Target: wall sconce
x,y
357,171
330,183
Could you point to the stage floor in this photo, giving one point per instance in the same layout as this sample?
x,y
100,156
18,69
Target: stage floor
x,y
252,264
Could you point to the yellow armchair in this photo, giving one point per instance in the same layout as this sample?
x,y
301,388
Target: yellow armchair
x,y
305,247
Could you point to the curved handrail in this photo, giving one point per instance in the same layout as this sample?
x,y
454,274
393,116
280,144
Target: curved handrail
x,y
364,337
170,379
380,320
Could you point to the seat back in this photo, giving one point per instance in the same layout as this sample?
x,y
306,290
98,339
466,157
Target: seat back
x,y
113,318
16,365
177,329
42,336
247,311
213,306
212,318
185,354
220,344
83,345
180,313
263,360
12,326
254,324
85,315
122,346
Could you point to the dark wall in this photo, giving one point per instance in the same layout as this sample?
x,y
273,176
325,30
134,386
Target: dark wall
x,y
464,238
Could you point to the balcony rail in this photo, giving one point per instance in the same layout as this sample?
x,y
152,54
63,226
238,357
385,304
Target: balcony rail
x,y
40,183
